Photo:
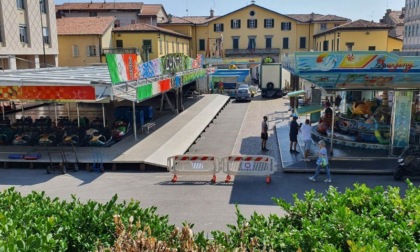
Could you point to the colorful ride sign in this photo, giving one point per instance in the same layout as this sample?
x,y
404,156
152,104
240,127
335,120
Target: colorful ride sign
x,y
48,93
367,70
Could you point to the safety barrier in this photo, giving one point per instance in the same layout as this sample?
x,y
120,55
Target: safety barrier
x,y
254,165
194,165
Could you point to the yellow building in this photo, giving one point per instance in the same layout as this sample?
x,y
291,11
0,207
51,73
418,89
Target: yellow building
x,y
359,35
81,40
252,31
151,41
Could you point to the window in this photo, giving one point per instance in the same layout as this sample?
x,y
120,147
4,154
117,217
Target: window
x,y
235,42
43,6
350,46
285,43
302,42
252,13
120,43
20,4
325,46
252,23
147,44
286,26
23,35
75,51
268,23
45,35
201,45
251,43
117,23
372,48
235,23
323,26
92,51
93,14
218,27
268,42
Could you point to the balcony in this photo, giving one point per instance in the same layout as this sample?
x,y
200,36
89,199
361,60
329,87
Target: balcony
x,y
256,51
121,51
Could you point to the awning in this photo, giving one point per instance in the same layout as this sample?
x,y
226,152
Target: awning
x,y
361,70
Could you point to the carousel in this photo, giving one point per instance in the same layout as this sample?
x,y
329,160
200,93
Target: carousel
x,y
388,121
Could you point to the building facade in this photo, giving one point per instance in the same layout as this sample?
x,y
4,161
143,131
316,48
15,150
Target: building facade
x,y
412,27
81,40
149,41
124,13
252,31
359,35
28,34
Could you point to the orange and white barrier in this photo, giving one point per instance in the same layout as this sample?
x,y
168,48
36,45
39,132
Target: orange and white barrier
x,y
254,165
194,165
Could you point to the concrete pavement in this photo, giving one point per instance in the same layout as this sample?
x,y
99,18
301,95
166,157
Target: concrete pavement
x,y
193,198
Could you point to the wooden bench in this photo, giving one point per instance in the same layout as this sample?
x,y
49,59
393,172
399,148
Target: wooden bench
x,y
147,127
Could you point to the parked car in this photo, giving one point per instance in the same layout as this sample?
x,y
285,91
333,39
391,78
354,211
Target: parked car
x,y
243,94
252,89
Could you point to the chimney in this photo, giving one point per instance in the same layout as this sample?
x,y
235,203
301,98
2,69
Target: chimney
x,y
169,18
211,13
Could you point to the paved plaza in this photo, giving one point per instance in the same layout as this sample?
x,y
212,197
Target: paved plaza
x,y
193,198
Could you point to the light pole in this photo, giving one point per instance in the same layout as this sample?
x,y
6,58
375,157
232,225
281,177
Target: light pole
x,y
41,2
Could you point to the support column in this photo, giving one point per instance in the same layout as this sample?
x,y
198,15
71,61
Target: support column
x,y
37,65
12,63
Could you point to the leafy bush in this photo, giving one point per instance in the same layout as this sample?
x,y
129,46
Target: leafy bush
x,y
360,219
38,223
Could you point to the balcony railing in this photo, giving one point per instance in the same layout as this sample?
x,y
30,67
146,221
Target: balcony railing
x,y
120,51
256,51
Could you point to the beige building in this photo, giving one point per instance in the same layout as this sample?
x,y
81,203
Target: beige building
x,y
412,27
81,40
124,13
252,31
28,37
359,35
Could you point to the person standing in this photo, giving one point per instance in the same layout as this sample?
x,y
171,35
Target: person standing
x,y
306,130
294,130
221,87
322,162
264,134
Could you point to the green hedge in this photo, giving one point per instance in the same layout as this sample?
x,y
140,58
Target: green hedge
x,y
359,219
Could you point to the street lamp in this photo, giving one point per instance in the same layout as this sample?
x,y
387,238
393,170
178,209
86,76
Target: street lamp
x,y
41,2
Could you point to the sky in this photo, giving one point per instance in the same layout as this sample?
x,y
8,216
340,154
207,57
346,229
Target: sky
x,y
352,9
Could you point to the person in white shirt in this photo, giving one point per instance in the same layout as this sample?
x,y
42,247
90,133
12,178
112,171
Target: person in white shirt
x,y
306,137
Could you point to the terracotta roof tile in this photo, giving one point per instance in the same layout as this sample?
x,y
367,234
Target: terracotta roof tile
x,y
99,6
363,24
199,19
83,25
150,9
147,28
306,18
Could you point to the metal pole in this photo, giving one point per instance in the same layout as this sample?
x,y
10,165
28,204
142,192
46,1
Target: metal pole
x,y
2,109
134,121
42,32
68,110
23,109
332,127
103,115
77,113
56,114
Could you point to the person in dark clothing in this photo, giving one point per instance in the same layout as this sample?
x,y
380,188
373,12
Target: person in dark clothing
x,y
294,130
338,100
264,134
328,110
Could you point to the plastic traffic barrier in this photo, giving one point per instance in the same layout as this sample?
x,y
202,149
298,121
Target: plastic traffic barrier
x,y
254,165
194,165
